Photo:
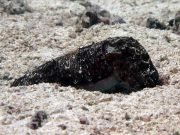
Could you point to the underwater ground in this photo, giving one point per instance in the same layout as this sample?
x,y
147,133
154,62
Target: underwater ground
x,y
49,30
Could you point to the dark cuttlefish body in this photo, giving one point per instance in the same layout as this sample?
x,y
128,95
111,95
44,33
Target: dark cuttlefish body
x,y
118,64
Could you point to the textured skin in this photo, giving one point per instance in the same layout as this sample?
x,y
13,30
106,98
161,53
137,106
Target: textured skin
x,y
121,59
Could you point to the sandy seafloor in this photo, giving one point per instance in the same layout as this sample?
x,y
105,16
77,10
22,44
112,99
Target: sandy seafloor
x,y
30,39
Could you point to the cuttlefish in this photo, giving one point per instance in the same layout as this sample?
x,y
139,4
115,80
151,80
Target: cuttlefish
x,y
117,64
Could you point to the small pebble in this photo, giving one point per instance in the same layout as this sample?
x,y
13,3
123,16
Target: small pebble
x,y
83,120
59,23
164,79
89,18
16,7
174,70
6,76
127,116
84,108
108,116
78,29
106,99
72,35
168,39
37,120
11,110
56,87
157,64
96,131
145,118
21,117
117,20
154,23
2,59
69,107
7,120
2,104
177,86
62,126
163,58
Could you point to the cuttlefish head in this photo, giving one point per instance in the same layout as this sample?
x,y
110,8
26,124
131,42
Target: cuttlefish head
x,y
132,73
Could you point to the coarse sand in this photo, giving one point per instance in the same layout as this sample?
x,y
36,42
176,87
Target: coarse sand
x,y
30,39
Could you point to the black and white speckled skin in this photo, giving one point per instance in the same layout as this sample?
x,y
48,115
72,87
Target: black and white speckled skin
x,y
118,64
